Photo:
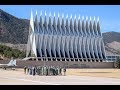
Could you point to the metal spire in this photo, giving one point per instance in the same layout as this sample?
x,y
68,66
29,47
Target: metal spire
x,y
75,16
79,17
31,21
71,16
41,13
58,15
86,18
67,16
54,14
94,18
62,15
50,14
45,13
98,19
90,18
82,17
36,12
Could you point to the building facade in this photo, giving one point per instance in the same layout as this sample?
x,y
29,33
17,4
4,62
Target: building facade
x,y
112,58
65,38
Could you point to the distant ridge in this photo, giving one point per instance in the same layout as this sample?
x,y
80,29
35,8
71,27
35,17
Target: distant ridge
x,y
109,37
112,42
12,29
15,31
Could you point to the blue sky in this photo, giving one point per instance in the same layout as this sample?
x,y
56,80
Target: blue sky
x,y
109,14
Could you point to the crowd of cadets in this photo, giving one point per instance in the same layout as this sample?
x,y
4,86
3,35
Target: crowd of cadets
x,y
44,70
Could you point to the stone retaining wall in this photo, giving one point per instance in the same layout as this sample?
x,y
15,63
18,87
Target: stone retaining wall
x,y
70,64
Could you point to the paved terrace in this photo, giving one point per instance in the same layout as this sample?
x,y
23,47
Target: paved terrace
x,y
73,77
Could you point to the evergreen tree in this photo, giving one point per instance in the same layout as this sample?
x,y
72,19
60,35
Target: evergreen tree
x,y
117,63
9,52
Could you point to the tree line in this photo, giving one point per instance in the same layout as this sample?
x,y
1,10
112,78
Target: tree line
x,y
8,52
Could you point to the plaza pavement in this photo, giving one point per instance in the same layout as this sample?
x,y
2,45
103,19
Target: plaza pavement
x,y
17,77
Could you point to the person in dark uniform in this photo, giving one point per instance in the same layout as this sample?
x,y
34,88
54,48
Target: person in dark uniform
x,y
52,70
56,70
28,72
25,68
60,71
37,70
30,69
33,71
40,70
46,71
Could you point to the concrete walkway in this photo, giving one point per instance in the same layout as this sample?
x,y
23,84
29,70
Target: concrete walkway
x,y
10,77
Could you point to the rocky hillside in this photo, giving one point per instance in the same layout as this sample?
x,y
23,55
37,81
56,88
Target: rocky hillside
x,y
14,33
109,37
112,42
12,29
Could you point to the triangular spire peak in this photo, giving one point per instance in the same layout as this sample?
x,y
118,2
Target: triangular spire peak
x,y
79,17
62,15
40,13
50,14
45,13
67,16
90,18
31,21
94,18
31,15
36,12
75,16
54,14
86,18
71,16
98,19
82,17
58,15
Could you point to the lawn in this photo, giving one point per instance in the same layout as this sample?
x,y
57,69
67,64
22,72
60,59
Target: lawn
x,y
114,73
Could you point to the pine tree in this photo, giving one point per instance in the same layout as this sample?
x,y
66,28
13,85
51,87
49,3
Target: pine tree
x,y
117,63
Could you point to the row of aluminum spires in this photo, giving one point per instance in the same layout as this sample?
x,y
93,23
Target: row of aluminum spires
x,y
71,16
85,27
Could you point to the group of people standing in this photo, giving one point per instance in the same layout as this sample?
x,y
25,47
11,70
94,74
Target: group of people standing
x,y
44,70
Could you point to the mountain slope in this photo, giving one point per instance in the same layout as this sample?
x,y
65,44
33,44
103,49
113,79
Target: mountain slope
x,y
112,43
12,29
109,37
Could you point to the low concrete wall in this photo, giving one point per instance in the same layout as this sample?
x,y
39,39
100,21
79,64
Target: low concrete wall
x,y
70,64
